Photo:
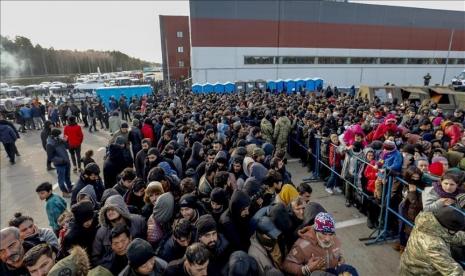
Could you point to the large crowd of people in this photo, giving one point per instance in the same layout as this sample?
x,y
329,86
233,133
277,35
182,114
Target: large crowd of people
x,y
198,185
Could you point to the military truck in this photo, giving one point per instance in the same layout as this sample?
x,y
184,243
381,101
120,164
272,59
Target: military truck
x,y
444,96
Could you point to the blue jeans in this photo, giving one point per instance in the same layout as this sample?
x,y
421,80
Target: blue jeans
x,y
333,180
63,172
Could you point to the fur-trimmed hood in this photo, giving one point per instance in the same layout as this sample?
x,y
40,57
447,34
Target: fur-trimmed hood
x,y
76,264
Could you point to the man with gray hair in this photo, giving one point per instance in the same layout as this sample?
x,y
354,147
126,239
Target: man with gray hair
x,y
11,253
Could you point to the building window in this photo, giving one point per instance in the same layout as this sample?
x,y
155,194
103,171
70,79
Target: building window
x,y
389,60
180,49
179,34
258,60
363,60
298,60
332,60
181,64
418,61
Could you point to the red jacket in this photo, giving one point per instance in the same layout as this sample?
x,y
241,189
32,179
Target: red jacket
x,y
147,132
75,136
335,158
370,175
454,133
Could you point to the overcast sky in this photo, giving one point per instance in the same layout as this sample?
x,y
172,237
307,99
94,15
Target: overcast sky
x,y
131,27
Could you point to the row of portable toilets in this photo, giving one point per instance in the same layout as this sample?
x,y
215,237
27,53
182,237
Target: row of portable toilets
x,y
277,86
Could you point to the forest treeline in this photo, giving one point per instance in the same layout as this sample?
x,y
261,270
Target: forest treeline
x,y
19,57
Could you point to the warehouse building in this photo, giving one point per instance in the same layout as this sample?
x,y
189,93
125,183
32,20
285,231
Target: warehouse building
x,y
341,42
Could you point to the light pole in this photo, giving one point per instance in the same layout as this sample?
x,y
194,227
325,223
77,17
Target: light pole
x,y
448,54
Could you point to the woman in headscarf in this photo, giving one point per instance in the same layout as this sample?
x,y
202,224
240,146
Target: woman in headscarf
x,y
159,222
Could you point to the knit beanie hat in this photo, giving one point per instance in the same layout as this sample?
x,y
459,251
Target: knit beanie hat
x,y
139,252
219,196
83,211
124,125
324,223
450,218
389,145
205,224
436,168
189,201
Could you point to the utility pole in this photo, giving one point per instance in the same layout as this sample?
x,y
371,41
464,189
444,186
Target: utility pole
x,y
167,64
448,54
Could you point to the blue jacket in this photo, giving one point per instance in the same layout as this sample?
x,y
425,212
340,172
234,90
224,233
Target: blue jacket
x,y
35,111
7,134
26,112
393,161
56,151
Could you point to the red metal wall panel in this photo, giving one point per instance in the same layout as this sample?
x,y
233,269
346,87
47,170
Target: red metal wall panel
x,y
262,33
170,26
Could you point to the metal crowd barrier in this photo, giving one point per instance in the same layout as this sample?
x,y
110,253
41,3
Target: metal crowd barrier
x,y
382,233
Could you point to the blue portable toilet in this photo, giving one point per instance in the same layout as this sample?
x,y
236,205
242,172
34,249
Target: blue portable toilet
x,y
299,84
218,88
290,86
229,87
271,85
318,82
105,93
279,85
207,88
310,84
196,88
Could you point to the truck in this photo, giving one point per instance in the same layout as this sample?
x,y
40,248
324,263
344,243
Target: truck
x,y
444,96
458,82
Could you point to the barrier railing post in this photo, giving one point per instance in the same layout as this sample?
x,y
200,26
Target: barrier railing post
x,y
316,172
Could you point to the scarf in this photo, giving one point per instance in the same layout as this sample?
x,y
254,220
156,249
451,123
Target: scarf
x,y
443,194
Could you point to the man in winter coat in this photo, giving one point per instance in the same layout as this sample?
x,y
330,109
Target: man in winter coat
x,y
262,244
267,128
74,136
43,137
215,242
58,154
81,229
234,221
318,248
139,160
428,248
142,260
135,137
119,158
8,137
112,213
90,176
175,246
281,131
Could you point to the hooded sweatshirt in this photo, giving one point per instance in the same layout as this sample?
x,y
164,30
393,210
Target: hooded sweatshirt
x,y
102,253
89,191
235,228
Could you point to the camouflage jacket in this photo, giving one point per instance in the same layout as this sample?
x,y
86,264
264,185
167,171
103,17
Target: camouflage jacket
x,y
428,249
267,130
282,130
